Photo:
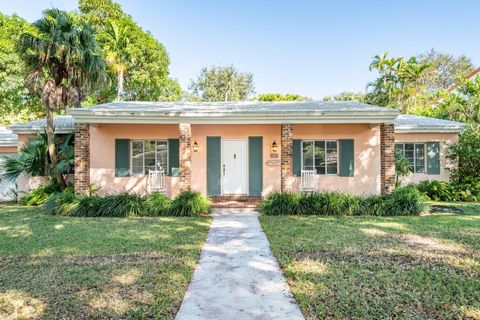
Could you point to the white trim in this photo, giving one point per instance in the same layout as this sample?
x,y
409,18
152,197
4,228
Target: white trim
x,y
427,129
247,187
425,154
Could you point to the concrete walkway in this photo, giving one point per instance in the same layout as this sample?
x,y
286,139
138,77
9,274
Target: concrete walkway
x,y
237,276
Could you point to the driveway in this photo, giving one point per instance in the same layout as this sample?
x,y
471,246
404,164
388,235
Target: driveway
x,y
237,276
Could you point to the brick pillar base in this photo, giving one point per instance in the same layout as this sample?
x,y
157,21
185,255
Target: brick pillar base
x,y
387,158
286,157
185,179
82,158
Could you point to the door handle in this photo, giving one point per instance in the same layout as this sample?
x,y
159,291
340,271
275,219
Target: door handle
x,y
224,169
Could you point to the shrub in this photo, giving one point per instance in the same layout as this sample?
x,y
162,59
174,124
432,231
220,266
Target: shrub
x,y
88,206
466,190
157,204
189,204
64,204
403,201
38,196
280,203
122,205
406,201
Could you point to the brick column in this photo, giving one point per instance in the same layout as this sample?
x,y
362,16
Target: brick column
x,y
185,179
82,158
387,158
286,156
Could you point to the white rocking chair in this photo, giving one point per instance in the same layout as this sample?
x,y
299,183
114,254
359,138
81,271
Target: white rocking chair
x,y
156,181
308,182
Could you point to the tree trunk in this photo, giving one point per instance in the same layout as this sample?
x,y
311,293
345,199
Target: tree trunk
x,y
52,149
119,84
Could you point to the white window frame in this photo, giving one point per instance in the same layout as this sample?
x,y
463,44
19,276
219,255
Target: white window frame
x,y
425,161
143,152
314,168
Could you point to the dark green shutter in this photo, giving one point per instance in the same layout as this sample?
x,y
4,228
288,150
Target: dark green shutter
x,y
255,166
213,166
173,157
122,157
346,156
297,158
433,157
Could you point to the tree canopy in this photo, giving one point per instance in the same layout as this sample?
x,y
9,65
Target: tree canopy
x,y
16,102
281,97
222,84
144,60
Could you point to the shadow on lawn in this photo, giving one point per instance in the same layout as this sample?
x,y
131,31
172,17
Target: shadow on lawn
x,y
96,268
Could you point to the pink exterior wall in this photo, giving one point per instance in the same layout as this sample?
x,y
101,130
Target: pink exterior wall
x,y
445,139
366,178
102,154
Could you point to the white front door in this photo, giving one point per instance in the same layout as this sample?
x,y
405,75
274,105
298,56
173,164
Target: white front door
x,y
234,166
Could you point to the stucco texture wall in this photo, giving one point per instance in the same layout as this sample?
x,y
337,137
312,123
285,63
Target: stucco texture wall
x,y
366,177
102,156
445,166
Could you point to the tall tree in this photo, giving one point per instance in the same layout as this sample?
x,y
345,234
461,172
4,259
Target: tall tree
x,y
222,84
444,70
64,62
115,43
146,69
346,96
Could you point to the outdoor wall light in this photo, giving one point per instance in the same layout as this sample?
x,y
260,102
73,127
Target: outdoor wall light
x,y
274,147
195,146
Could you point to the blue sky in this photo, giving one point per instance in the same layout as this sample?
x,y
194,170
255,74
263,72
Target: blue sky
x,y
314,48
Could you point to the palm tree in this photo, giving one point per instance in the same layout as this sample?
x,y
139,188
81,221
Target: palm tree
x,y
64,62
115,43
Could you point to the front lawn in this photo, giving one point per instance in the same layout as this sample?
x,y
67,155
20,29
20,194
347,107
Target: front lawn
x,y
422,267
75,268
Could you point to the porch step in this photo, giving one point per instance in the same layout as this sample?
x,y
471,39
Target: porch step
x,y
236,201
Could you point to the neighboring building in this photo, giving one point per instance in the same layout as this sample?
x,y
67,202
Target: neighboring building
x,y
250,148
8,148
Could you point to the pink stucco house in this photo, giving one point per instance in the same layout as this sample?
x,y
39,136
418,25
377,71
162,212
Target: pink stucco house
x,y
250,148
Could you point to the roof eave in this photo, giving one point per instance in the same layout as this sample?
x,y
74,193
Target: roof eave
x,y
427,129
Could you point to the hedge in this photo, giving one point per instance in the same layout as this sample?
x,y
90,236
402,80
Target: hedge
x,y
402,201
127,205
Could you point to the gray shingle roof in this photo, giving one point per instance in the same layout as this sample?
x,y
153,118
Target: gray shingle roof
x,y
414,123
403,123
7,138
235,107
63,124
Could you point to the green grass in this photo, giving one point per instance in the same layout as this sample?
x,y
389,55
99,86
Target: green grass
x,y
55,267
423,267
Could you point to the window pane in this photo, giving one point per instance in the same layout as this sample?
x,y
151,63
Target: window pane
x,y
320,157
307,155
409,150
332,157
420,158
137,157
162,155
149,156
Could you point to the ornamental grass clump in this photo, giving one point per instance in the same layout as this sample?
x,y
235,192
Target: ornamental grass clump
x,y
190,204
122,205
157,204
280,203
